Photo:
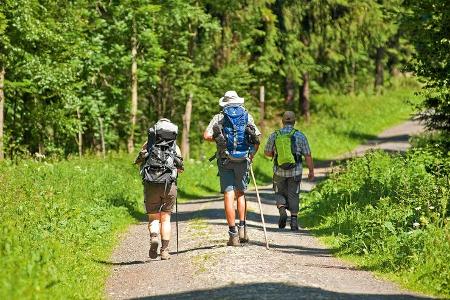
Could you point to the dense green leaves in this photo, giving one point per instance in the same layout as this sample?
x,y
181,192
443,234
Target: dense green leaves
x,y
68,65
428,23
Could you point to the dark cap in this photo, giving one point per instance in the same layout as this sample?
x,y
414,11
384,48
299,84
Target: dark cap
x,y
289,117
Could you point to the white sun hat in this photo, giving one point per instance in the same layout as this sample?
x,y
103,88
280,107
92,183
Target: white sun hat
x,y
230,97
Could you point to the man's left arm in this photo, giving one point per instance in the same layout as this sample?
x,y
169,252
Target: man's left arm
x,y
303,148
310,164
179,160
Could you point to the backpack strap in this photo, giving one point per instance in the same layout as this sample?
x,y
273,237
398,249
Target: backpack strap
x,y
274,158
292,134
277,133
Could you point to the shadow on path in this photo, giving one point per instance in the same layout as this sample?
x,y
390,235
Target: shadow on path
x,y
274,291
123,263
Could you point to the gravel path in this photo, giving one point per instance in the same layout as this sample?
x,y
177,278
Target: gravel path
x,y
297,266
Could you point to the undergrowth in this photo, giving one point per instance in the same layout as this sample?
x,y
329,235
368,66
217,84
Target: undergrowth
x,y
59,223
389,214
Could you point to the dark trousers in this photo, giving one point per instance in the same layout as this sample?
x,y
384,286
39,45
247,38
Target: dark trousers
x,y
287,192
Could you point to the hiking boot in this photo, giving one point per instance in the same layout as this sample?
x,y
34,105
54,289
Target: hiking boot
x,y
243,237
153,252
283,217
234,239
165,254
294,224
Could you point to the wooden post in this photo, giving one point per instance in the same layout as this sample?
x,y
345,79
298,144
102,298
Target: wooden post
x,y
102,137
2,101
80,134
185,147
261,107
134,87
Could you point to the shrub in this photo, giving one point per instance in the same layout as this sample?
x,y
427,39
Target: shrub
x,y
391,211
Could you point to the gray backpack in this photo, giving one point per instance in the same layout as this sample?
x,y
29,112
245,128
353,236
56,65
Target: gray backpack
x,y
162,162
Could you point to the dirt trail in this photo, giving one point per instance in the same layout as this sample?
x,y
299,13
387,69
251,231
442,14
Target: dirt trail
x,y
297,266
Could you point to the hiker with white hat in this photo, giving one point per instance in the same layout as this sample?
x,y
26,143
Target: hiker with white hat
x,y
237,139
287,146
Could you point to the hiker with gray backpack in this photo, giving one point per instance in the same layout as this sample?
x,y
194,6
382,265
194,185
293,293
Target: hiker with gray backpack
x,y
161,161
237,140
287,146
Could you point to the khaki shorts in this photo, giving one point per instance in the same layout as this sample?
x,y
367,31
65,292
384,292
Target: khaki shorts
x,y
233,175
157,198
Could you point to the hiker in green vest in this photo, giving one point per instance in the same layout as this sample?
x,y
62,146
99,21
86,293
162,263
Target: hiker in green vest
x,y
287,146
236,137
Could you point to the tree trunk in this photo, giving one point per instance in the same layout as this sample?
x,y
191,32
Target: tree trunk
x,y
393,58
80,134
102,137
304,97
186,128
353,79
289,93
41,149
134,87
261,107
2,101
379,70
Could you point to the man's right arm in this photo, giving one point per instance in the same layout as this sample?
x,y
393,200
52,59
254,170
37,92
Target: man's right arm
x,y
140,158
208,137
208,134
269,149
268,153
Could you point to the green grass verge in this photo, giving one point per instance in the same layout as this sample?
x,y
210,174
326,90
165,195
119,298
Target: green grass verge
x,y
341,123
59,223
389,215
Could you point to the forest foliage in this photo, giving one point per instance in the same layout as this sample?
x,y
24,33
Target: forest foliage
x,y
428,25
70,68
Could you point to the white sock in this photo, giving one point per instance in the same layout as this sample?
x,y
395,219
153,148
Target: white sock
x,y
154,227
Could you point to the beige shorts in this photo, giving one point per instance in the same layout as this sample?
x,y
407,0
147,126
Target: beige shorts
x,y
159,198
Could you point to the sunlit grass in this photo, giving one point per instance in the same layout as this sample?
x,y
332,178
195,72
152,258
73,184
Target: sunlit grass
x,y
389,215
59,222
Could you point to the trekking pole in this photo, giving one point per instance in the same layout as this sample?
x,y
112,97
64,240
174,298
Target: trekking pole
x,y
260,206
245,217
176,218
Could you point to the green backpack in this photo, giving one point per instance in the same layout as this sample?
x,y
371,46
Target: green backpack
x,y
283,145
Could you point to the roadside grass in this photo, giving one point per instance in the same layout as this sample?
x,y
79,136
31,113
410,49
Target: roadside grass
x,y
60,222
341,123
390,215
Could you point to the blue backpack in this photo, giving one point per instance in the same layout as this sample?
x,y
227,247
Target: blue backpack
x,y
235,121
